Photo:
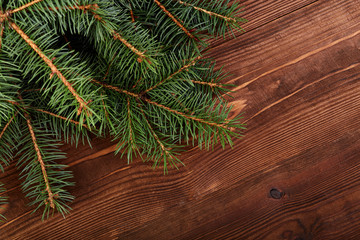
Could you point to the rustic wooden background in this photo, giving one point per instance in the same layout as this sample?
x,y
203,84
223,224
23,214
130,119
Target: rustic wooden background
x,y
296,174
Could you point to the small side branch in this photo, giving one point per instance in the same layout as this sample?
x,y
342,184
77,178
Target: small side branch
x,y
40,160
140,96
116,89
60,117
174,19
163,148
192,63
53,68
131,12
7,125
184,115
228,19
117,36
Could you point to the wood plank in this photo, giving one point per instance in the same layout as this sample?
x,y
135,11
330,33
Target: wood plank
x,y
298,83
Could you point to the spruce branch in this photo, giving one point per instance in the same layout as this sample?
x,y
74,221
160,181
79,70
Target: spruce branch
x,y
129,70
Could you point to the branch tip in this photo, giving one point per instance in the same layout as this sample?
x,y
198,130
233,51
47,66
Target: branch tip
x,y
40,160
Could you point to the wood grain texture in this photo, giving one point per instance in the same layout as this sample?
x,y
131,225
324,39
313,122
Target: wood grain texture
x,y
297,77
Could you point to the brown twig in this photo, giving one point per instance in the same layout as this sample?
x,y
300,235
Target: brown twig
x,y
192,63
40,159
53,68
174,19
131,13
7,125
1,34
228,19
206,83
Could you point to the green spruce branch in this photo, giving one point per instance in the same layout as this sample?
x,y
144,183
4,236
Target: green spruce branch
x,y
131,70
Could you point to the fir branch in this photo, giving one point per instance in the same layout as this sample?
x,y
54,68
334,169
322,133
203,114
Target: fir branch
x,y
40,160
174,19
228,19
192,63
53,68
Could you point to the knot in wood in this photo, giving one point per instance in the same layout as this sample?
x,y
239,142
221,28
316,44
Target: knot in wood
x,y
276,193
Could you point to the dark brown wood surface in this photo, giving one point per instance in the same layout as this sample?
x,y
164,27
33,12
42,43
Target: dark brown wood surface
x,y
295,175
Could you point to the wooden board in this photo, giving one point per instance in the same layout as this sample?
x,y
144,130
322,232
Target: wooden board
x,y
295,175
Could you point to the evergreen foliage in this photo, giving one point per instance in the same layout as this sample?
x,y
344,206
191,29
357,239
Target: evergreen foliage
x,y
129,69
